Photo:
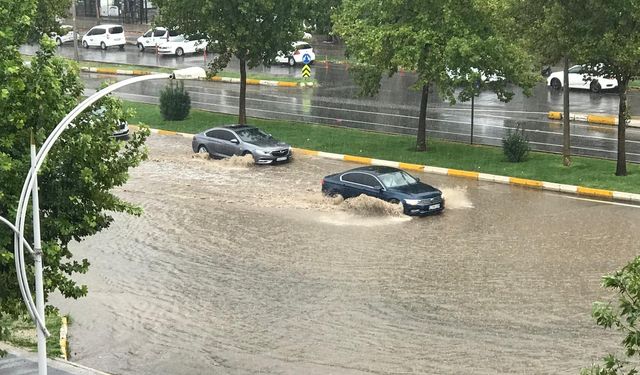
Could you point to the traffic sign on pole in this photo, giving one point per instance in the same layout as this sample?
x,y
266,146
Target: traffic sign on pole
x,y
306,71
306,58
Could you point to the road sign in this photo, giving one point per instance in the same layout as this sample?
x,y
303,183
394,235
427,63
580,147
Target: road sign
x,y
306,58
306,71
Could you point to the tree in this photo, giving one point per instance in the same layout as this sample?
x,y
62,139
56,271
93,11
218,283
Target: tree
x,y
76,179
621,315
252,31
449,43
318,14
609,44
547,27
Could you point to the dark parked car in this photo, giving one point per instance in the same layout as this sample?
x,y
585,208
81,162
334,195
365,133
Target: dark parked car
x,y
390,184
241,140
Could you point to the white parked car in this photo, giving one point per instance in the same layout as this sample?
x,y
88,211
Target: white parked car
x,y
181,45
299,49
155,37
580,80
104,36
66,35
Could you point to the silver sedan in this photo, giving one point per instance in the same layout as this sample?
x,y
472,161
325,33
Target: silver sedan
x,y
226,141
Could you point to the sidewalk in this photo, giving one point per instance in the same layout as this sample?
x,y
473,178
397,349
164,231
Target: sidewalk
x,y
22,362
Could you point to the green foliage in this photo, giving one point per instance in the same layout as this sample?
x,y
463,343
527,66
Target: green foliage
x,y
449,43
20,331
318,14
175,102
77,176
515,145
622,315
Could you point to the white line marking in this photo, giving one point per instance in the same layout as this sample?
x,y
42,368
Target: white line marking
x,y
604,202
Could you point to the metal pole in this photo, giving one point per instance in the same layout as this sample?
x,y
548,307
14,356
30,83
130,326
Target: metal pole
x,y
37,248
472,104
75,32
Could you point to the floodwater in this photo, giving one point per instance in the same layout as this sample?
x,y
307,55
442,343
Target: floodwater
x,y
242,269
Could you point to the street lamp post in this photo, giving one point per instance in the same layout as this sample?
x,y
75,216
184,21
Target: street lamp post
x,y
36,311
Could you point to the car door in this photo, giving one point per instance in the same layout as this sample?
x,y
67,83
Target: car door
x,y
356,183
89,37
576,80
159,37
147,38
214,142
98,36
230,143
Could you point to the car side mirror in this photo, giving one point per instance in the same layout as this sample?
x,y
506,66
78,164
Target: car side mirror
x,y
234,141
417,179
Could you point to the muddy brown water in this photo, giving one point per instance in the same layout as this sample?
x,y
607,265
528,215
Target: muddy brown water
x,y
239,269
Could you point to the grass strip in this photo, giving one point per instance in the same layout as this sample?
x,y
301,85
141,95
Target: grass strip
x,y
584,171
21,332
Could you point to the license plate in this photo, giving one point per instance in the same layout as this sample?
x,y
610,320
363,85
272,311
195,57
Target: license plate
x,y
434,206
282,158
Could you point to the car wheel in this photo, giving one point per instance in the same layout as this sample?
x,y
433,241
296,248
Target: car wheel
x,y
140,47
179,51
203,150
121,47
85,44
292,61
58,42
103,46
595,87
556,84
394,201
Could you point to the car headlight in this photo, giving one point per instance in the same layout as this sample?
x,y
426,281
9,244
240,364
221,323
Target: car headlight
x,y
412,202
265,152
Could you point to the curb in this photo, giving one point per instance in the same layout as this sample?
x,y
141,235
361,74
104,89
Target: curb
x,y
594,118
63,338
516,181
260,82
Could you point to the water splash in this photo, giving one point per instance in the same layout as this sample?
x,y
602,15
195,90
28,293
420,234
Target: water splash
x,y
365,205
456,198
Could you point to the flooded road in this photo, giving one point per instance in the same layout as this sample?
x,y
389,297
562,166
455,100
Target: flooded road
x,y
238,269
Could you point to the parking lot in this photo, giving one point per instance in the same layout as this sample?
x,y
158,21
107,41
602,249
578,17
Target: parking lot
x,y
236,268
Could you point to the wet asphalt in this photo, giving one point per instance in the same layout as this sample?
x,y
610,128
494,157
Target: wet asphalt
x,y
238,269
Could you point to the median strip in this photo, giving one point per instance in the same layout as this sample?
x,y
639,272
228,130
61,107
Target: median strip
x,y
250,81
593,118
515,181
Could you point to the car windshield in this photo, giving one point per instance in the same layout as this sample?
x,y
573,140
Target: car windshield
x,y
397,179
253,135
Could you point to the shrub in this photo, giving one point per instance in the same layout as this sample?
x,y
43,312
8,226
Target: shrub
x,y
516,145
175,102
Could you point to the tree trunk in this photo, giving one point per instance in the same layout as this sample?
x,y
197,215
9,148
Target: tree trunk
x,y
242,114
97,12
421,142
621,166
566,129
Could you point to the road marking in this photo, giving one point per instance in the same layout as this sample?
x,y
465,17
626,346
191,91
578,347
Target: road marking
x,y
601,201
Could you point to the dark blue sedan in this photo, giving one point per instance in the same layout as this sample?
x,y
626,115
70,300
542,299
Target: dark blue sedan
x,y
390,184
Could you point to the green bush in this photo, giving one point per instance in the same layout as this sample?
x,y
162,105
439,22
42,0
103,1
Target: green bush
x,y
175,102
515,145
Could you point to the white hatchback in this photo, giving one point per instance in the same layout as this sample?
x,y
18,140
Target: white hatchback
x,y
580,80
155,37
296,55
104,36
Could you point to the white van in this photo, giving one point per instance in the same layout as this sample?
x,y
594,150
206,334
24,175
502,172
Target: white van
x,y
104,36
155,37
